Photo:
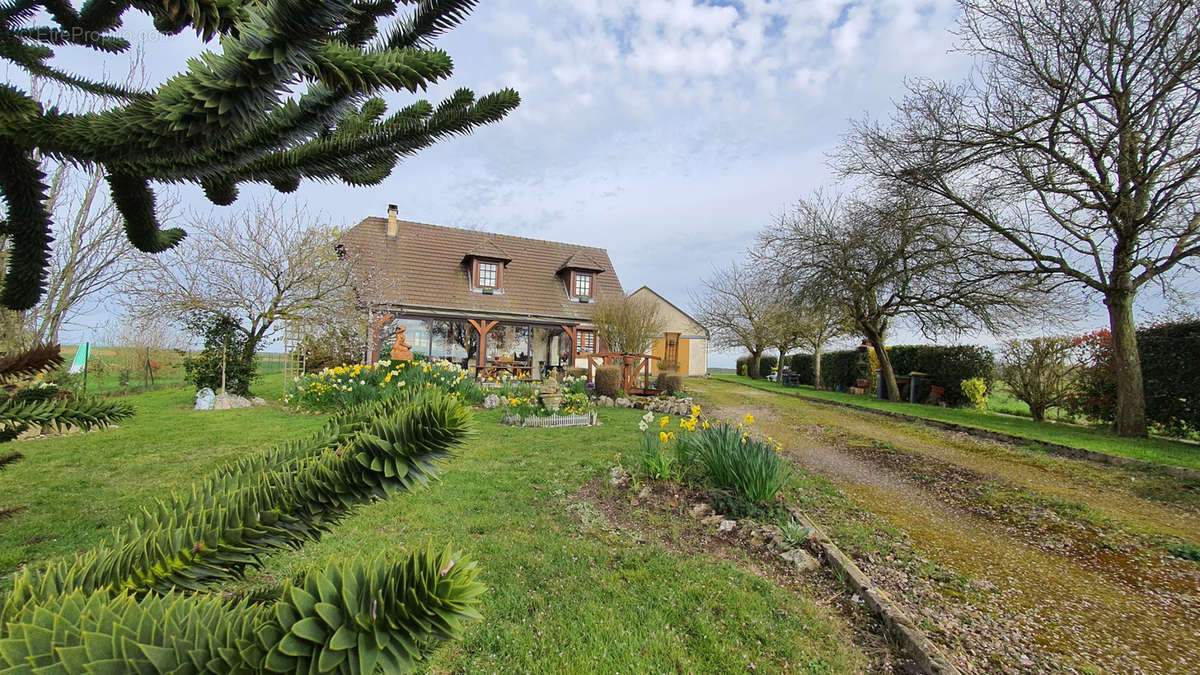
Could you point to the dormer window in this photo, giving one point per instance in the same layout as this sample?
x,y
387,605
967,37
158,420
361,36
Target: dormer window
x,y
488,275
583,285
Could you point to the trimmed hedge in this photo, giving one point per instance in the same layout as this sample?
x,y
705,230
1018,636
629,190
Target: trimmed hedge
x,y
1171,374
608,380
765,364
945,366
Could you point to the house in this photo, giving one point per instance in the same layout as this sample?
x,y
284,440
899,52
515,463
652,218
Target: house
x,y
683,342
490,302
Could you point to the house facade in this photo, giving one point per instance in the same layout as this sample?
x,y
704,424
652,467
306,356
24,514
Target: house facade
x,y
492,303
683,342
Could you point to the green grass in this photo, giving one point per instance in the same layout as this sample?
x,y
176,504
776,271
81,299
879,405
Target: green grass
x,y
106,363
1156,450
568,591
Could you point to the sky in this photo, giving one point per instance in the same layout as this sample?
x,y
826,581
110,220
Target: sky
x,y
667,132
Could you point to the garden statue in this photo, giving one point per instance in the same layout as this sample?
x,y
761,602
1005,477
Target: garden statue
x,y
401,350
550,396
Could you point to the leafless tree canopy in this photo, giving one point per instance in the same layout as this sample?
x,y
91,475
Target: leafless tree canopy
x,y
736,307
1077,142
626,324
890,256
270,263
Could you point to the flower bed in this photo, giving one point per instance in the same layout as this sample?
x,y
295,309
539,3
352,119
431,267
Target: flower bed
x,y
348,385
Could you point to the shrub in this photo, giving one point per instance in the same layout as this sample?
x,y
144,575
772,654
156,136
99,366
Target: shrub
x,y
576,372
1039,371
350,385
670,381
842,369
1094,394
976,391
608,380
226,348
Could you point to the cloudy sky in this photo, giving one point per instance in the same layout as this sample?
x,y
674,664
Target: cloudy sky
x,y
668,132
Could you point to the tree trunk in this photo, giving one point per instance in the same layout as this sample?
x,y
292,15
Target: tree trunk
x,y
779,366
1127,366
885,363
817,367
752,364
1038,413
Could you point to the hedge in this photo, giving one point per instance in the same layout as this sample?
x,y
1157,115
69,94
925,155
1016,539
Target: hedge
x,y
946,367
765,364
1171,374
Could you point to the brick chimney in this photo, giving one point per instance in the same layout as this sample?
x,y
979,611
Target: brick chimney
x,y
393,227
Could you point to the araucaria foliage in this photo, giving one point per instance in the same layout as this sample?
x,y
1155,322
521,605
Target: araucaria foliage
x,y
26,402
139,603
230,117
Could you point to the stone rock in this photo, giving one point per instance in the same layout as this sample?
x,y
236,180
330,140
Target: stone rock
x,y
727,526
606,401
800,559
257,401
767,534
623,402
491,401
700,510
618,477
229,402
504,401
712,520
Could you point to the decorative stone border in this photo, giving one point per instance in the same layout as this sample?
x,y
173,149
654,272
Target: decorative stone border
x,y
1053,448
927,656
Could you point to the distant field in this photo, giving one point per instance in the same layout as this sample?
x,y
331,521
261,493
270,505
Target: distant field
x,y
116,370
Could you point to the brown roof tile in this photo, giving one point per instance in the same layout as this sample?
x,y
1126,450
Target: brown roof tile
x,y
422,269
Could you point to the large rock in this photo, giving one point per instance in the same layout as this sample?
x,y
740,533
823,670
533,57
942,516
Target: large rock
x,y
800,558
727,526
230,401
491,401
700,510
623,403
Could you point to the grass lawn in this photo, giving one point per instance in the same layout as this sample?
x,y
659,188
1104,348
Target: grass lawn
x,y
568,592
1157,450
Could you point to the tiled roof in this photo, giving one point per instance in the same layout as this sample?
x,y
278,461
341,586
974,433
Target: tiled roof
x,y
422,269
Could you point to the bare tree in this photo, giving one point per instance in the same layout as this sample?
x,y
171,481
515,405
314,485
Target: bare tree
x,y
818,323
1038,371
736,307
626,324
888,257
265,265
1077,142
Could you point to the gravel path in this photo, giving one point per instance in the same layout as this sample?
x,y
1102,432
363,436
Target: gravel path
x,y
1056,584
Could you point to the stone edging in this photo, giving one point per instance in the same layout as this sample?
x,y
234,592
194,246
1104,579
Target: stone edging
x,y
899,627
1053,448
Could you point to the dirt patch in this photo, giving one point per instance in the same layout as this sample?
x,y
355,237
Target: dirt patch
x,y
1007,560
659,513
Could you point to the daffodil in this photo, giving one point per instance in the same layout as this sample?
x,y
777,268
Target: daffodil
x,y
642,426
748,419
695,411
705,424
664,421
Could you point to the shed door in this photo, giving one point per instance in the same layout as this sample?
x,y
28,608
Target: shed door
x,y
671,351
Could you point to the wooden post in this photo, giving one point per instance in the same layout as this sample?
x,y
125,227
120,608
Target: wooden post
x,y
483,326
373,348
570,331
